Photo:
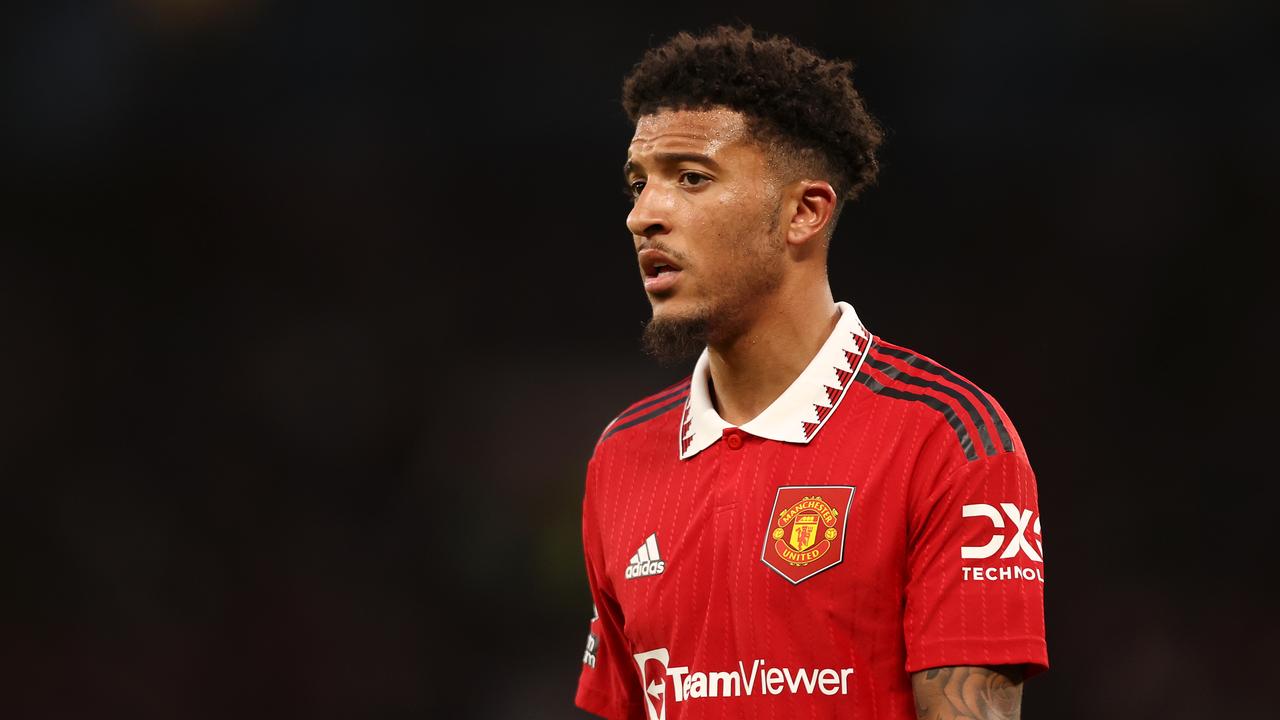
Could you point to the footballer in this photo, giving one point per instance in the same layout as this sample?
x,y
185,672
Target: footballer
x,y
816,522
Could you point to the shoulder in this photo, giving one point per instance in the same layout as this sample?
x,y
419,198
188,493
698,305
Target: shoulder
x,y
971,419
646,410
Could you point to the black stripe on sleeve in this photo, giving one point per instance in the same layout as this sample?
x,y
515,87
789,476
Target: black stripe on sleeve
x,y
916,361
675,403
660,398
947,411
896,373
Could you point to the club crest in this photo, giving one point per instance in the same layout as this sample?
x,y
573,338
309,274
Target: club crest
x,y
806,529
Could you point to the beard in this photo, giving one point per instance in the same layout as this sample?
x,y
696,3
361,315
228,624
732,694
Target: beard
x,y
673,340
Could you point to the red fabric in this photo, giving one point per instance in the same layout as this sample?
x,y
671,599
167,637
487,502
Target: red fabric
x,y
902,598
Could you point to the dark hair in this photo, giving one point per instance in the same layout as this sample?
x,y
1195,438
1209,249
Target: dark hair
x,y
802,104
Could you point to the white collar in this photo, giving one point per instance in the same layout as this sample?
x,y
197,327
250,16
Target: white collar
x,y
801,410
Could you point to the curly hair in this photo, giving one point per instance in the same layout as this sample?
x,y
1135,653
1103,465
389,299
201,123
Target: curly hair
x,y
801,106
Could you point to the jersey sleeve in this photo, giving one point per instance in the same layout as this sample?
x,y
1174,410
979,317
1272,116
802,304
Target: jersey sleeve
x,y
975,567
608,685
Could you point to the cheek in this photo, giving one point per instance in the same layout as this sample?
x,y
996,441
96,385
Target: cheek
x,y
722,237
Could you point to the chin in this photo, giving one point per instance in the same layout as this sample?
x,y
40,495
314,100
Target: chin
x,y
668,305
671,308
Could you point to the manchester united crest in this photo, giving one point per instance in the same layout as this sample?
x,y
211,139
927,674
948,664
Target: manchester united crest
x,y
806,529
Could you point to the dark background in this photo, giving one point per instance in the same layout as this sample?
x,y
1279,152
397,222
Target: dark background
x,y
312,313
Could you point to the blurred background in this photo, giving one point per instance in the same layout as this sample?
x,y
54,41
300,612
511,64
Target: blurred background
x,y
310,315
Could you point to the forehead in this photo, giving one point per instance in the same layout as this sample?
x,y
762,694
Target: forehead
x,y
705,131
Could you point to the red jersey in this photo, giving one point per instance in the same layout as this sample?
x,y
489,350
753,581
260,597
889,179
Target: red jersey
x,y
879,518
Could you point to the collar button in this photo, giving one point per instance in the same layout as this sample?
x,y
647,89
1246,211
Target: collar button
x,y
734,440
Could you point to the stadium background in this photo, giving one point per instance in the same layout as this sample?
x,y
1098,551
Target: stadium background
x,y
312,313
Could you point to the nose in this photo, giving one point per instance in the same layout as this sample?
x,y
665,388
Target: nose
x,y
650,215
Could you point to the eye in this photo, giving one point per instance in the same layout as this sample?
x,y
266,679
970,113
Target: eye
x,y
633,190
699,178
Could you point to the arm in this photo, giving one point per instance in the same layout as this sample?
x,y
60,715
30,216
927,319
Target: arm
x,y
968,693
608,685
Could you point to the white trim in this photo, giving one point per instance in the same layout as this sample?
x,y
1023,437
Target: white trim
x,y
785,418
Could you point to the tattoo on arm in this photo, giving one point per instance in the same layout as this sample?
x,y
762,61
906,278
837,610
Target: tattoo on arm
x,y
969,693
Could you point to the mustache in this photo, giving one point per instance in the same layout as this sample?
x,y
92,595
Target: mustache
x,y
664,248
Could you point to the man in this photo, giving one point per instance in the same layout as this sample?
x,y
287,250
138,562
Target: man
x,y
816,523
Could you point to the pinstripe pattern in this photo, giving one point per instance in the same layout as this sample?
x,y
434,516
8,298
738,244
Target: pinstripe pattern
x,y
897,600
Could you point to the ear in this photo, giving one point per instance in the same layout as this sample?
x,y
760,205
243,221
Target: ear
x,y
812,203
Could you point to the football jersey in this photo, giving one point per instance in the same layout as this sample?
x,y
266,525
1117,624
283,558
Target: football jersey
x,y
879,518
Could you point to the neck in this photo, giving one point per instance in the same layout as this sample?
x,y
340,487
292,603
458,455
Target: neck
x,y
753,368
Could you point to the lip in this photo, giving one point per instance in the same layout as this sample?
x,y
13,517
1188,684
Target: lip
x,y
662,282
658,278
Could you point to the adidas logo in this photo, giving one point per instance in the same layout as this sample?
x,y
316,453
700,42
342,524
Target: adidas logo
x,y
646,561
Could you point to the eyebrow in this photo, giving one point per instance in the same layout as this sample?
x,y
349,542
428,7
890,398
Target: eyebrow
x,y
671,158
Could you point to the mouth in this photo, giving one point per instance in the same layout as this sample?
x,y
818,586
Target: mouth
x,y
659,270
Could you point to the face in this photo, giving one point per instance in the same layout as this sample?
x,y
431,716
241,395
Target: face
x,y
705,221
